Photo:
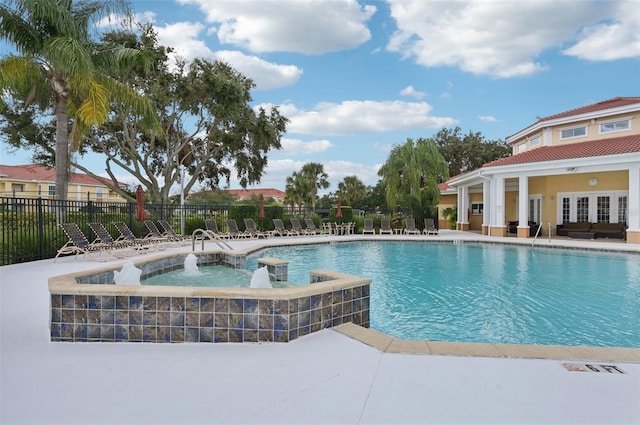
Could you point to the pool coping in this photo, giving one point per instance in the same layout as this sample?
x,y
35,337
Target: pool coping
x,y
389,344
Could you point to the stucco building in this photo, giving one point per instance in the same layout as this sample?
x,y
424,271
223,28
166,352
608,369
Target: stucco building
x,y
581,165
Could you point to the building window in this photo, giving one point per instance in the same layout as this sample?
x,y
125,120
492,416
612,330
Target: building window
x,y
622,209
582,209
570,133
99,193
17,187
522,147
52,190
536,141
594,207
566,210
613,126
603,209
477,208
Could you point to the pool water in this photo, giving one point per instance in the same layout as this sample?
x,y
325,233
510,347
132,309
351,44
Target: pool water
x,y
210,276
486,292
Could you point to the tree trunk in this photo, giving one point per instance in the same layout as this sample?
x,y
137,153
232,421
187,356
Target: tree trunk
x,y
62,148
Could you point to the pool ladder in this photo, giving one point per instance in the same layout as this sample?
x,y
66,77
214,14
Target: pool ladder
x,y
538,232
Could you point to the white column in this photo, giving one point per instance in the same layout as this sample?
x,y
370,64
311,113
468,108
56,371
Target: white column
x,y
465,205
523,202
498,196
634,199
486,202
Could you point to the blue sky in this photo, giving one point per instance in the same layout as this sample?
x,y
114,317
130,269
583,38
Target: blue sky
x,y
357,77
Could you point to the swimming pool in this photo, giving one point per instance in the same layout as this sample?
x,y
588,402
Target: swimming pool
x,y
486,292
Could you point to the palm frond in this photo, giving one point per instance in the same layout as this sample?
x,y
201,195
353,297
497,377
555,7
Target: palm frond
x,y
95,108
69,56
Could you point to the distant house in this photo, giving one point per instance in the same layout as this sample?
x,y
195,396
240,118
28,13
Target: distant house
x,y
247,194
578,166
32,181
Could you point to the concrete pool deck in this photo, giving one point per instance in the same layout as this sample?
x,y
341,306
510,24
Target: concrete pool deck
x,y
328,377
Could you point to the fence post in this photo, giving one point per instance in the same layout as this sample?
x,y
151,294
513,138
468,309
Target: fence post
x,y
40,227
90,211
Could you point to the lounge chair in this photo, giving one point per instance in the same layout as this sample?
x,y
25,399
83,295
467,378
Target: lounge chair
x,y
156,234
142,243
233,231
410,227
296,227
103,236
280,230
368,227
79,244
252,230
212,227
311,228
385,226
172,235
430,227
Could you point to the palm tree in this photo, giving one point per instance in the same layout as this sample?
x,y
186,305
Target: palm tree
x,y
411,175
60,67
296,190
351,190
316,179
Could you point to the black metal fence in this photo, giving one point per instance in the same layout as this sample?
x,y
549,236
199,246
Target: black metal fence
x,y
29,227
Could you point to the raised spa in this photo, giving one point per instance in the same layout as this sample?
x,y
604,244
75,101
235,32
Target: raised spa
x,y
89,306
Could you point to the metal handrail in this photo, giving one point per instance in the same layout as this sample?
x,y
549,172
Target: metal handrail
x,y
201,234
538,232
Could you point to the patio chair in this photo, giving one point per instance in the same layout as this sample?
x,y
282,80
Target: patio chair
x,y
141,243
280,230
156,234
234,232
311,228
171,234
212,228
296,227
79,244
430,227
368,227
410,227
385,226
252,230
103,236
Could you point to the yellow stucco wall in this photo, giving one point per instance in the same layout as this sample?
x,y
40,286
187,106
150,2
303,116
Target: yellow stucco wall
x,y
593,131
76,193
446,201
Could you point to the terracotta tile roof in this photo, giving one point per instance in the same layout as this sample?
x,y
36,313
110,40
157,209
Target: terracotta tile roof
x,y
604,147
33,172
247,193
616,102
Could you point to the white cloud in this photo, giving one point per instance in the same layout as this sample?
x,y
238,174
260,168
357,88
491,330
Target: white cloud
x,y
487,118
265,74
619,38
412,92
308,27
358,117
338,170
504,39
297,146
183,37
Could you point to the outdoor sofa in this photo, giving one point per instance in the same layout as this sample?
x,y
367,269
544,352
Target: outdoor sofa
x,y
599,230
